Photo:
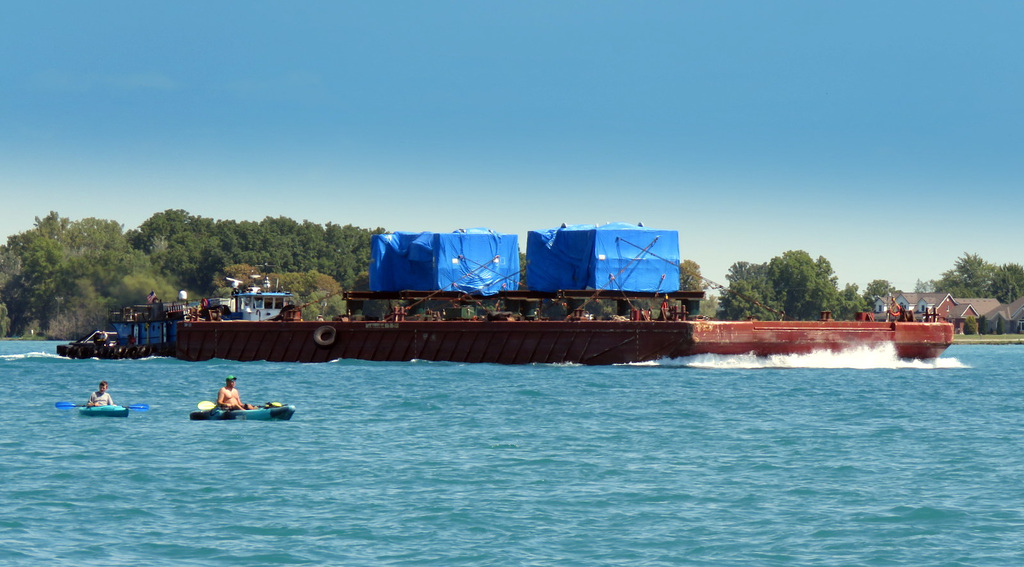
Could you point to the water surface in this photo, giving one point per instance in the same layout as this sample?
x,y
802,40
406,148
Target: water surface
x,y
859,459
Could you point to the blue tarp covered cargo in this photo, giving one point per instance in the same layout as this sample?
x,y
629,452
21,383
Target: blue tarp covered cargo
x,y
475,260
616,256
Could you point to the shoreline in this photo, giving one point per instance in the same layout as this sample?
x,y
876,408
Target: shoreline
x,y
988,339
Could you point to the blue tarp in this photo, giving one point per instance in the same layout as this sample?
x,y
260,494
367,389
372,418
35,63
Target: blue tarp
x,y
616,256
475,260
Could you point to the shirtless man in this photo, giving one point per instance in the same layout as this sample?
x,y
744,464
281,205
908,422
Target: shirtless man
x,y
227,397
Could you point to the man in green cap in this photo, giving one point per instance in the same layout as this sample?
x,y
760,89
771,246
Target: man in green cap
x,y
228,398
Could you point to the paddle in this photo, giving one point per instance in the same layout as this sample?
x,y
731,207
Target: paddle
x,y
206,406
70,405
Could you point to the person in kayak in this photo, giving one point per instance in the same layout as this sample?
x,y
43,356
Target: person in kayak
x,y
228,398
100,397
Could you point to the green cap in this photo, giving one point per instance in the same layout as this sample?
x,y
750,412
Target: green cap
x,y
229,378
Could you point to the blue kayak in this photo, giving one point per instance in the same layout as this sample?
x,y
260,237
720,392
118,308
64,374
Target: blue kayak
x,y
283,412
104,411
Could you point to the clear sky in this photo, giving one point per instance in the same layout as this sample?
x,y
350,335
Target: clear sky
x,y
887,137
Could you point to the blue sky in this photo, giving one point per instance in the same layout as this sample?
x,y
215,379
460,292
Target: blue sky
x,y
887,137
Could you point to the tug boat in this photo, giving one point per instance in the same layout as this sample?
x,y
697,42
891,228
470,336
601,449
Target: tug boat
x,y
151,329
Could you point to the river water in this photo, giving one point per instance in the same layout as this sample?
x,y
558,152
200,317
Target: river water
x,y
856,459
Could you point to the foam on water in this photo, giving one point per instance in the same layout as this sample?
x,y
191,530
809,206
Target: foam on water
x,y
23,356
882,356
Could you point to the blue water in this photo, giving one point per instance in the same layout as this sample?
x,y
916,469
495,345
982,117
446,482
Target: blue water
x,y
858,459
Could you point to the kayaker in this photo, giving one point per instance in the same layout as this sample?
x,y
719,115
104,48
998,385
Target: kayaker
x,y
228,399
100,397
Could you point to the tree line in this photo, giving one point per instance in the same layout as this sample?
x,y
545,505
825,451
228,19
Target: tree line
x,y
800,287
61,278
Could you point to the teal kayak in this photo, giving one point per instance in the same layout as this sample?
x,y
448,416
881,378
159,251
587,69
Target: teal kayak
x,y
104,411
283,412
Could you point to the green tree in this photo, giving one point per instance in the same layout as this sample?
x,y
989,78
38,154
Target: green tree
x,y
709,306
44,268
748,294
971,276
5,321
804,286
311,285
346,255
878,288
1007,283
971,326
689,276
850,302
68,274
182,247
793,283
64,276
285,246
279,245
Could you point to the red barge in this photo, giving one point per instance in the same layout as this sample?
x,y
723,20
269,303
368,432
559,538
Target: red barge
x,y
517,336
469,309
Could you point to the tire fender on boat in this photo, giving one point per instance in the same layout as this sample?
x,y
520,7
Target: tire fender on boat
x,y
325,335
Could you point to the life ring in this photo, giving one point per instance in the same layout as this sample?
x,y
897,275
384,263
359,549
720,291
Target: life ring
x,y
325,335
895,309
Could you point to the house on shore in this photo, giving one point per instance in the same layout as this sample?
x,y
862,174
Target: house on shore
x,y
976,307
1011,315
956,310
920,304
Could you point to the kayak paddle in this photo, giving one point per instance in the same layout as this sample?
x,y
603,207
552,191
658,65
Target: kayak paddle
x,y
206,405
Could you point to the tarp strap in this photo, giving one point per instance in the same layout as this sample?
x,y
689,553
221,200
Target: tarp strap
x,y
612,277
647,250
465,297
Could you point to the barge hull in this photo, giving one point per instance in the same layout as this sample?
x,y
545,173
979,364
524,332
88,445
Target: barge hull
x,y
526,342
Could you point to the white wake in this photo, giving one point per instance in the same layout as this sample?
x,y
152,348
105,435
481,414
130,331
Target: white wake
x,y
26,355
882,356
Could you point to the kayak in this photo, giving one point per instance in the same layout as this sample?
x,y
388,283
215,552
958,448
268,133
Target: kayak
x,y
104,411
283,412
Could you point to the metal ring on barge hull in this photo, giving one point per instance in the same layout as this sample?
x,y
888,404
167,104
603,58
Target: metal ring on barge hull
x,y
324,336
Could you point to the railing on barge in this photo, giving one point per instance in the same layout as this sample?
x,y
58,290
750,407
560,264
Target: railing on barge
x,y
158,311
522,304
